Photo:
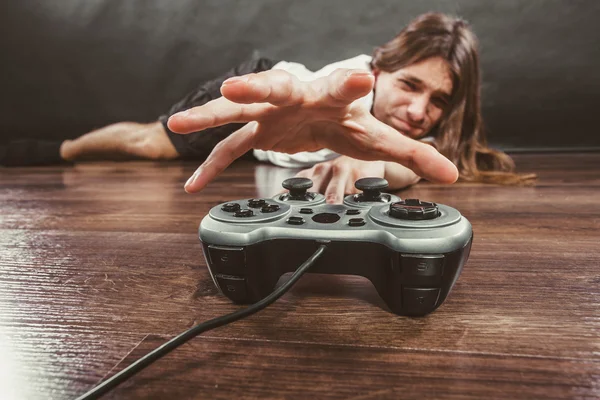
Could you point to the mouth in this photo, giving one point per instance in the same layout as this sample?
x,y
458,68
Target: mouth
x,y
406,127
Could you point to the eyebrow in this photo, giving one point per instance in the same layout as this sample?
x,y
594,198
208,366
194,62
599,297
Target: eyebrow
x,y
418,81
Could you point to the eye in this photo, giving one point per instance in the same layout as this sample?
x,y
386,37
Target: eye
x,y
407,85
440,102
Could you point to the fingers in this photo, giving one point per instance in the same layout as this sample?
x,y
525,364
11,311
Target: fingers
x,y
277,87
379,141
215,113
337,184
332,177
227,151
281,88
319,174
422,158
343,86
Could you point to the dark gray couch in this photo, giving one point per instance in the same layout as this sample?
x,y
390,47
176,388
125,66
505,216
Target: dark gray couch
x,y
74,65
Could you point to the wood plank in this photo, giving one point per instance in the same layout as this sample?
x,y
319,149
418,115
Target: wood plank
x,y
216,368
95,258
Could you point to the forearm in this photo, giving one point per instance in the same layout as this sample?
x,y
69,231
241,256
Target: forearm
x,y
398,176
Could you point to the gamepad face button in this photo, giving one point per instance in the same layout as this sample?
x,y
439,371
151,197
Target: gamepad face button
x,y
256,203
356,222
245,213
269,208
414,209
306,211
326,218
295,220
231,207
353,211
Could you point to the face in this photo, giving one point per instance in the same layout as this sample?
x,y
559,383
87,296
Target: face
x,y
413,99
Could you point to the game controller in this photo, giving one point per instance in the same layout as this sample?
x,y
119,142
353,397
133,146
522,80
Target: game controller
x,y
411,250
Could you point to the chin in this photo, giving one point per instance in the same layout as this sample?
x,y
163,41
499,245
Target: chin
x,y
411,134
417,135
403,127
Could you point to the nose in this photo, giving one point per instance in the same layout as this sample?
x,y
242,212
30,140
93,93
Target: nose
x,y
417,109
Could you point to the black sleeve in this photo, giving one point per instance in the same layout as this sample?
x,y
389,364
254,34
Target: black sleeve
x,y
198,145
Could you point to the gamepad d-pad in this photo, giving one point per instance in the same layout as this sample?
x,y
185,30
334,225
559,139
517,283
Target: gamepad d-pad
x,y
411,250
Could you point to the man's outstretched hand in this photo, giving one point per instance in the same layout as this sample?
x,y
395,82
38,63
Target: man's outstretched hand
x,y
287,115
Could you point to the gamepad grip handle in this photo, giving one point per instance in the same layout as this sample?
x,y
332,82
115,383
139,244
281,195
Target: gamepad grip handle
x,y
409,284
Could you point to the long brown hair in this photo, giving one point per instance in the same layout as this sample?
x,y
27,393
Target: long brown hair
x,y
459,135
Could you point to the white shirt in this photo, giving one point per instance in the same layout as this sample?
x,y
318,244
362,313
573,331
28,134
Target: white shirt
x,y
307,159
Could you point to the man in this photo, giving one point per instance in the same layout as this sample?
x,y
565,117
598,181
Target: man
x,y
422,85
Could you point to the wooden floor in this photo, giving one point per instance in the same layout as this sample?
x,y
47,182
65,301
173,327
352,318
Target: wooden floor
x,y
100,263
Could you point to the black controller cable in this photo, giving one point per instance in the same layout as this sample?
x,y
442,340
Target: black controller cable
x,y
194,331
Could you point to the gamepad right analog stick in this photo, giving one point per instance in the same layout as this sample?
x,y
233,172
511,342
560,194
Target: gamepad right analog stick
x,y
371,189
371,193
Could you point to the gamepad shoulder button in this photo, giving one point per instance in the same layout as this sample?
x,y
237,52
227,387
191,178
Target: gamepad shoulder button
x,y
419,300
227,259
233,286
231,207
414,209
422,269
